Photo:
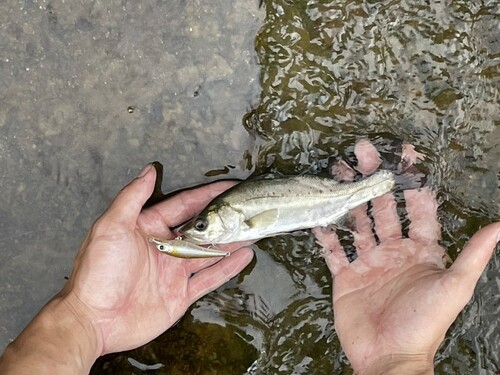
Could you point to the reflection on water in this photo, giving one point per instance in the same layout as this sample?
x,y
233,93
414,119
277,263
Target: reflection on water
x,y
332,72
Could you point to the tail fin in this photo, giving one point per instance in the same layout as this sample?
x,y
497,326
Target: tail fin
x,y
412,178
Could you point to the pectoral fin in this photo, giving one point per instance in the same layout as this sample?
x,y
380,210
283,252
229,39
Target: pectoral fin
x,y
263,219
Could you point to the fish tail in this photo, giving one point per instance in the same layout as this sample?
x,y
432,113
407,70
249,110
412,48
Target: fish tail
x,y
410,179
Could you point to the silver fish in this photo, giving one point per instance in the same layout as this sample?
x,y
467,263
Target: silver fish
x,y
184,249
262,208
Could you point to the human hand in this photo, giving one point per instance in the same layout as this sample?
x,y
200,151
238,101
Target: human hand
x,y
395,302
129,291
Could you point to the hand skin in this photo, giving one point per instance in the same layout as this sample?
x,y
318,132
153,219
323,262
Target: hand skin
x,y
395,302
122,292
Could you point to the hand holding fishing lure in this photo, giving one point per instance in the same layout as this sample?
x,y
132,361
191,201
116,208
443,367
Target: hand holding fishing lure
x,y
122,292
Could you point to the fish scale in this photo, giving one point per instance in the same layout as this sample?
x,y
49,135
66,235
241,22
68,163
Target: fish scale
x,y
261,208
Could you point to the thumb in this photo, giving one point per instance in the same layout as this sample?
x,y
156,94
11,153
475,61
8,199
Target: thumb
x,y
128,204
476,254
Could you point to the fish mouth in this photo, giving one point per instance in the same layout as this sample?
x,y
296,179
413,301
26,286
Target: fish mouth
x,y
182,229
183,232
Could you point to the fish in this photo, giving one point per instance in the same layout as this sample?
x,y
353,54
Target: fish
x,y
185,249
255,209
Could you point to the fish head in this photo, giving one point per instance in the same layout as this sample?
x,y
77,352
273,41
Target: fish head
x,y
214,225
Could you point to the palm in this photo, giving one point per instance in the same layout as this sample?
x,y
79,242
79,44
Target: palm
x,y
132,290
394,310
397,297
141,282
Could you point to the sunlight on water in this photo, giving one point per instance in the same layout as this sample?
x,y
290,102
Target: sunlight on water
x,y
336,71
331,73
412,71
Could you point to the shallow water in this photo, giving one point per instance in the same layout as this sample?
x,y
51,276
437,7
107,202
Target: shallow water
x,y
331,72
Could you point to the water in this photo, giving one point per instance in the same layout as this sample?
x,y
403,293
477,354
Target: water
x,y
331,72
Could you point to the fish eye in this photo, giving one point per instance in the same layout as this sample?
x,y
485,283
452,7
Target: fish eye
x,y
201,224
161,247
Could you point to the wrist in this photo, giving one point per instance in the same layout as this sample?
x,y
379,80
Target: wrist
x,y
76,319
60,339
400,364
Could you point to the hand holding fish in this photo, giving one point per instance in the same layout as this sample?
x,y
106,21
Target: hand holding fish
x,y
138,283
123,292
395,302
392,305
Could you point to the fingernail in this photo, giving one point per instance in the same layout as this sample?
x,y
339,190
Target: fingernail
x,y
145,170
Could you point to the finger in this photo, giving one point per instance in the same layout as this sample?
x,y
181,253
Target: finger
x,y
385,217
368,157
127,205
421,207
181,207
213,277
364,240
332,249
368,161
410,156
475,256
342,171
